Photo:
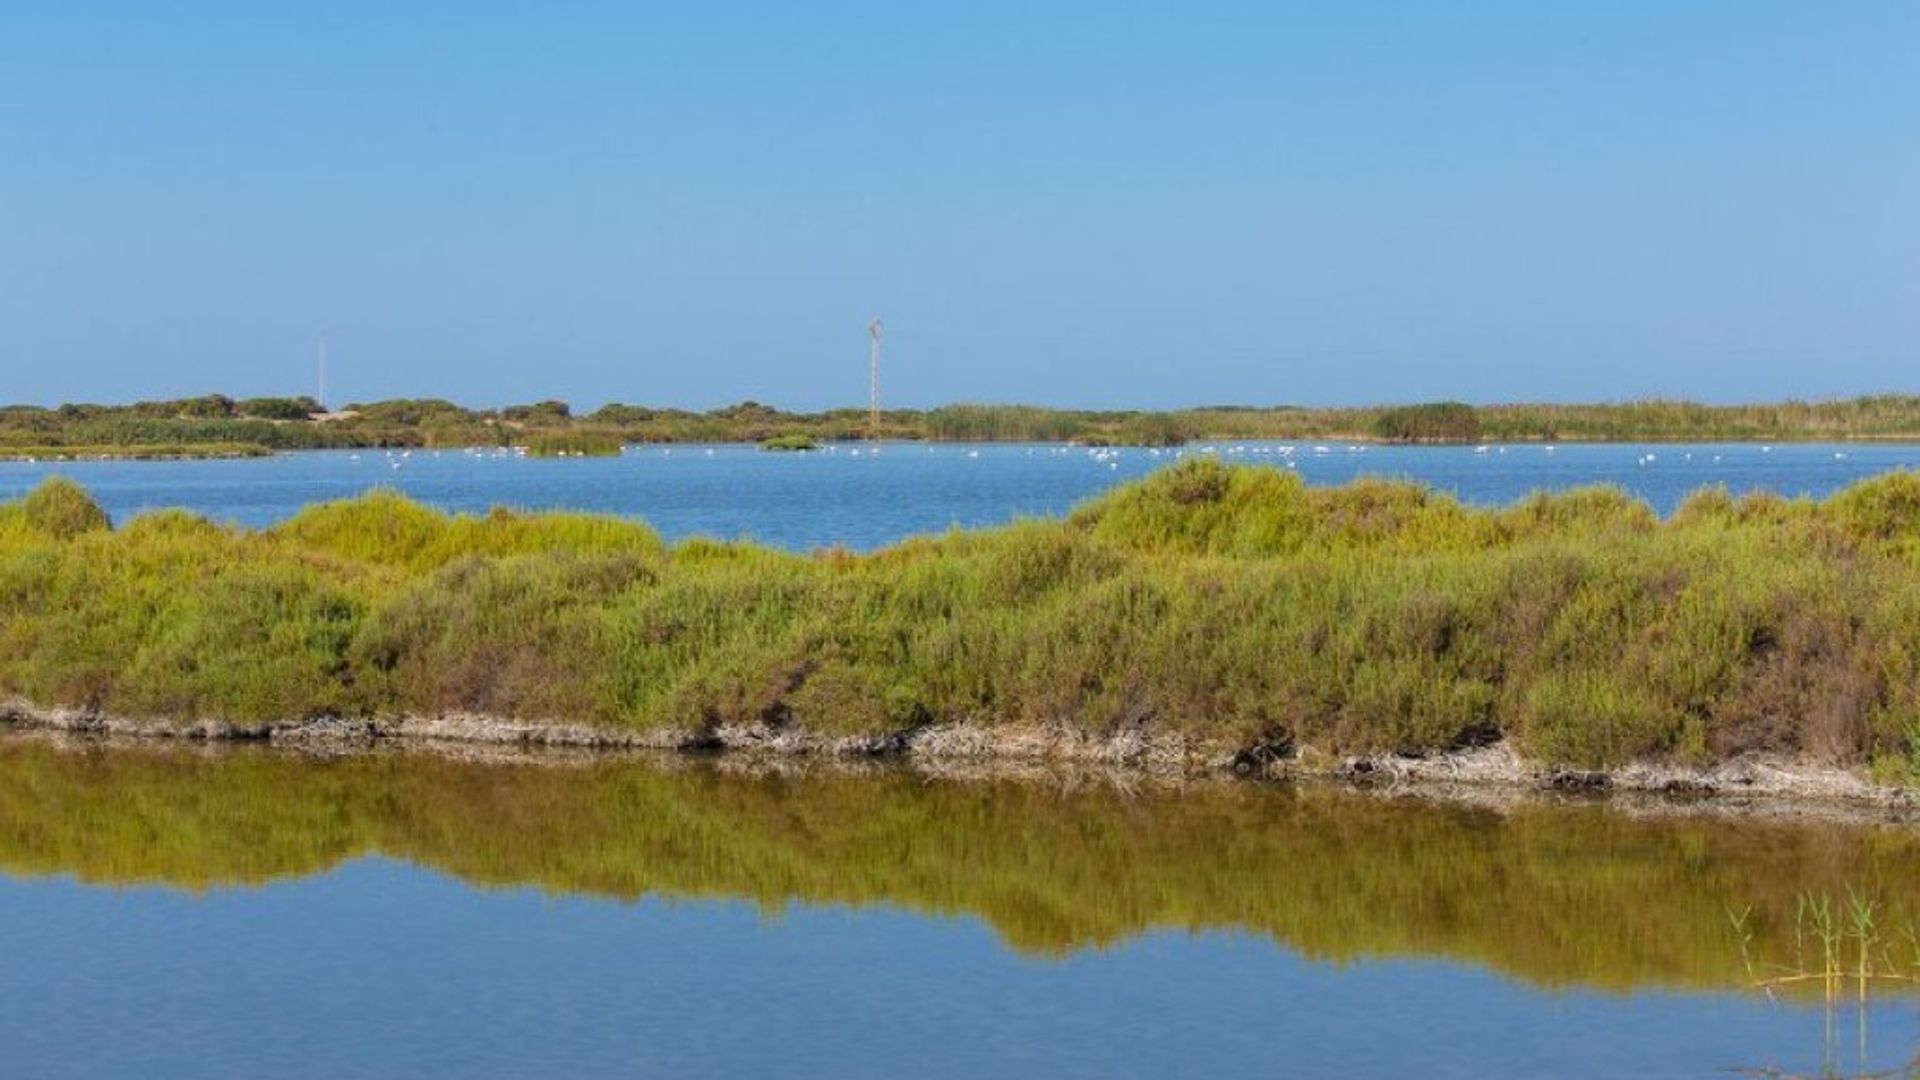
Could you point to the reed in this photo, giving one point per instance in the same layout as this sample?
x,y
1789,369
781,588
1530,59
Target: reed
x,y
790,443
578,442
1846,949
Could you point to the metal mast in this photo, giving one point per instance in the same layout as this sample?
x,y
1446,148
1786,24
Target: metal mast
x,y
320,364
874,330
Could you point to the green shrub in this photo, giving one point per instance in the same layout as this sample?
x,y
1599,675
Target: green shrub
x,y
385,528
62,509
790,442
1445,421
1707,506
1885,507
280,408
1593,719
1233,604
1583,512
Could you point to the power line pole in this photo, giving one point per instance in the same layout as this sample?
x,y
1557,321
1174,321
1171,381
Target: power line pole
x,y
874,330
320,364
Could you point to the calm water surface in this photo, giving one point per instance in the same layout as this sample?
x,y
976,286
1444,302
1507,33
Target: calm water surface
x,y
819,499
175,912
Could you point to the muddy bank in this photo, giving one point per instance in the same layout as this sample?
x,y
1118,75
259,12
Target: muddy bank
x,y
1488,775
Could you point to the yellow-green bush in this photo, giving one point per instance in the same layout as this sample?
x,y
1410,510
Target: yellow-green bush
x,y
1234,604
61,509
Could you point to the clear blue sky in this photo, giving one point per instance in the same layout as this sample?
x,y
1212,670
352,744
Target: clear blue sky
x,y
1110,204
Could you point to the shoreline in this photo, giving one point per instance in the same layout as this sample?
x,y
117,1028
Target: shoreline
x,y
159,452
1203,444
1760,786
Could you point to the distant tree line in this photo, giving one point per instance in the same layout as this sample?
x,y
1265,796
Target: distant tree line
x,y
300,423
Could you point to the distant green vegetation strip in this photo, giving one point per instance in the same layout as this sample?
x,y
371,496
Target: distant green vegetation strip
x,y
133,452
1234,605
552,427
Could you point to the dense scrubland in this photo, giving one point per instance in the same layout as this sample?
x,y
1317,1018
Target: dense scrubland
x,y
1556,894
1234,607
216,424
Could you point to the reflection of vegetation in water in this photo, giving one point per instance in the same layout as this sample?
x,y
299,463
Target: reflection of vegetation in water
x,y
1844,949
1558,895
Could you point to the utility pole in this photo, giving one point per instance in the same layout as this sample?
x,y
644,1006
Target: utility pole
x,y
320,364
874,330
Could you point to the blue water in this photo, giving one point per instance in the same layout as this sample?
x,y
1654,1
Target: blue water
x,y
862,501
381,969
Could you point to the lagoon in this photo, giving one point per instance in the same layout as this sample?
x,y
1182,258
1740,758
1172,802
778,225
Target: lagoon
x,y
821,499
185,910
182,911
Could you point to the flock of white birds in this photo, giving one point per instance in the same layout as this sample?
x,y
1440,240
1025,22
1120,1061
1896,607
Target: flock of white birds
x,y
1285,455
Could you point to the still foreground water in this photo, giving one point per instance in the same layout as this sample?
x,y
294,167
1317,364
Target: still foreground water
x,y
850,496
174,911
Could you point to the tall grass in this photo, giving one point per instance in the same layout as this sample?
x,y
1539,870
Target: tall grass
x,y
1234,605
574,442
795,443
